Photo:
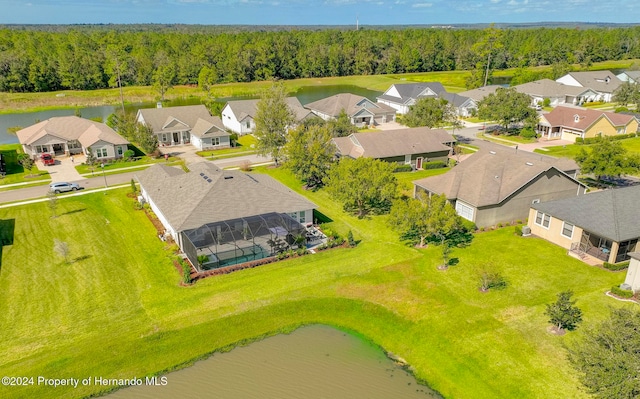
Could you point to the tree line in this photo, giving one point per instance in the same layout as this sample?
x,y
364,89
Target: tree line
x,y
33,60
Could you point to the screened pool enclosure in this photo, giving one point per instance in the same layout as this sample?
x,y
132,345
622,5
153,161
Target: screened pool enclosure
x,y
241,240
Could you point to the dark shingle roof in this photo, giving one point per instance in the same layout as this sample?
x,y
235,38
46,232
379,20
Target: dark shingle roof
x,y
391,143
489,177
174,118
350,103
408,91
189,200
612,214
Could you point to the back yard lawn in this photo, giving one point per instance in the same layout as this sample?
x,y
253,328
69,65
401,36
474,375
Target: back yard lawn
x,y
117,310
570,151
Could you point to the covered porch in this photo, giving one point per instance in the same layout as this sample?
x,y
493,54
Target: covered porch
x,y
168,139
602,248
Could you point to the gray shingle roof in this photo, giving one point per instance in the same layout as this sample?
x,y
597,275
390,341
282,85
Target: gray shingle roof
x,y
409,91
391,143
210,127
189,200
243,108
549,88
349,103
174,118
601,81
612,214
481,92
489,177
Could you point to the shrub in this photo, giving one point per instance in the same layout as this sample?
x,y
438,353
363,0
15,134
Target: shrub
x,y
403,168
352,241
528,133
490,280
518,230
434,165
186,271
245,166
617,291
128,154
616,266
579,140
546,102
621,109
499,225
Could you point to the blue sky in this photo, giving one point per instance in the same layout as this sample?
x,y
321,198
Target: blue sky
x,y
321,12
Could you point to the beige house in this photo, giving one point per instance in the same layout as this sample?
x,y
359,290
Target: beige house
x,y
361,110
68,135
413,147
499,186
570,123
603,224
604,83
556,93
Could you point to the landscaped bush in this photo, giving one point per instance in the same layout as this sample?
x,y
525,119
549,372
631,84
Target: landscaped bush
x,y
617,291
434,165
518,230
593,140
403,168
621,109
128,154
489,280
616,266
528,133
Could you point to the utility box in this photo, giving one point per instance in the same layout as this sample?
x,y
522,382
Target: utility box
x,y
526,231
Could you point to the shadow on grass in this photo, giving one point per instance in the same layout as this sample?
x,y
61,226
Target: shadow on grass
x,y
81,258
7,229
73,211
320,217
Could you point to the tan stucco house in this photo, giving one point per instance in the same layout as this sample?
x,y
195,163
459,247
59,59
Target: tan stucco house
x,y
499,186
604,224
69,135
569,123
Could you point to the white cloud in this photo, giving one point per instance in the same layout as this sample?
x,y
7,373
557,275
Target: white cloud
x,y
421,5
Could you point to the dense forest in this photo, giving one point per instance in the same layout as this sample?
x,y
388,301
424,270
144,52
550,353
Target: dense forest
x,y
33,60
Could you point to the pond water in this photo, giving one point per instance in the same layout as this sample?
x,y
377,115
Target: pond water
x,y
305,94
313,362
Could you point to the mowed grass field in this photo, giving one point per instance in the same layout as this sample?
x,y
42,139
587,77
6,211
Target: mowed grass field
x,y
570,151
118,310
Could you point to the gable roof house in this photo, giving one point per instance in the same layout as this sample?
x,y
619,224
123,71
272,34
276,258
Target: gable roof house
x,y
361,110
557,93
402,96
602,82
238,115
405,146
569,123
229,216
190,124
629,76
604,225
72,135
480,93
492,187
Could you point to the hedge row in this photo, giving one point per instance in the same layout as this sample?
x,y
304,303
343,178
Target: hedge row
x,y
617,291
616,266
592,140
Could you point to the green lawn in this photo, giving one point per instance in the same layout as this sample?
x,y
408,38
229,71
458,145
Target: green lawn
x,y
113,166
245,145
119,312
570,151
15,171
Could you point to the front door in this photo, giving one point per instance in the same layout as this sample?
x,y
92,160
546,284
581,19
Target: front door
x,y
419,163
58,149
176,138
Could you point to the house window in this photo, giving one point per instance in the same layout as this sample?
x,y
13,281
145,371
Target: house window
x,y
215,141
73,144
101,153
464,210
119,149
567,230
303,217
542,219
248,124
42,148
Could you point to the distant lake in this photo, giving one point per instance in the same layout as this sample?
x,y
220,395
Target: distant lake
x,y
305,94
314,362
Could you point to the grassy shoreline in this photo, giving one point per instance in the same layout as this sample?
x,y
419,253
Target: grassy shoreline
x,y
454,81
121,302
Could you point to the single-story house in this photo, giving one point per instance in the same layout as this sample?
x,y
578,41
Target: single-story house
x,y
238,116
404,146
499,186
480,93
228,216
403,95
70,135
602,82
464,106
604,224
360,110
569,123
176,125
557,93
632,279
629,76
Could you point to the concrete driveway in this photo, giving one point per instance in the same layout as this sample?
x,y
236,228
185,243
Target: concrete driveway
x,y
64,169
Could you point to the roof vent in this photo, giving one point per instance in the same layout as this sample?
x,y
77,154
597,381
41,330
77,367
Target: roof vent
x,y
209,180
529,164
492,152
201,174
205,177
228,177
497,177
